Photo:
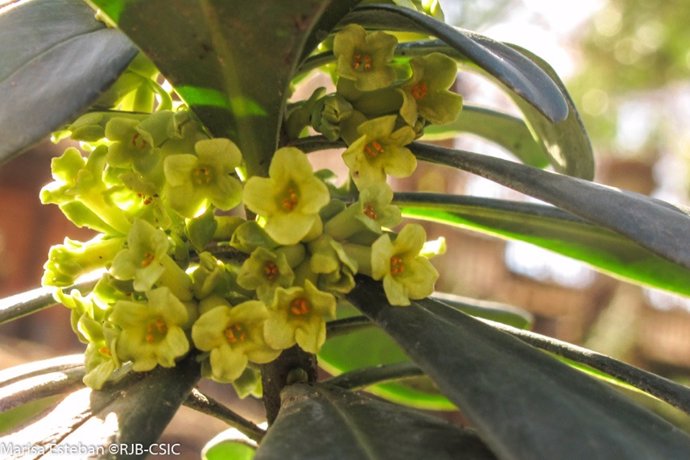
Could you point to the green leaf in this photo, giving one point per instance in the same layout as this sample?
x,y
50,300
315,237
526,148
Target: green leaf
x,y
553,229
55,60
509,132
524,404
228,449
368,347
566,141
654,224
510,67
325,421
133,411
230,61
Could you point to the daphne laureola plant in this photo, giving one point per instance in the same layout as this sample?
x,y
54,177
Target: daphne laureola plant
x,y
221,253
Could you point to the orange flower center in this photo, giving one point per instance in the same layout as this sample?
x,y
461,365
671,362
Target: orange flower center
x,y
105,351
290,199
373,149
203,175
419,90
156,330
271,271
235,333
362,62
300,307
147,259
370,212
139,142
397,265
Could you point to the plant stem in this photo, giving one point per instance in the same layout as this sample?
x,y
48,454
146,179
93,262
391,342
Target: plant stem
x,y
292,364
347,325
207,405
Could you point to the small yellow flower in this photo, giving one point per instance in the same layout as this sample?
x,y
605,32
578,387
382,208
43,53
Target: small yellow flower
x,y
380,150
234,337
406,274
365,57
298,315
289,199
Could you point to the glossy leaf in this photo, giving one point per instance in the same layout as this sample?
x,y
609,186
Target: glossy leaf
x,y
524,404
653,224
208,51
55,60
552,229
324,419
565,142
510,67
509,132
371,347
132,411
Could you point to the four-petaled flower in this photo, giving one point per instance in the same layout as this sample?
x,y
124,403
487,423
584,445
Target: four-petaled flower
x,y
298,315
265,271
234,337
365,57
195,181
289,199
406,274
380,150
427,95
143,259
151,333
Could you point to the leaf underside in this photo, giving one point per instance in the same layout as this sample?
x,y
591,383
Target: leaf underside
x,y
55,60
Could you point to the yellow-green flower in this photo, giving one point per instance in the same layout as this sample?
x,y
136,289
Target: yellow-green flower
x,y
372,211
265,271
364,57
68,261
197,181
427,95
289,199
143,259
380,150
234,337
406,274
151,332
298,315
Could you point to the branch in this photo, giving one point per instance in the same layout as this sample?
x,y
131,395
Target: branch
x,y
362,378
347,325
209,406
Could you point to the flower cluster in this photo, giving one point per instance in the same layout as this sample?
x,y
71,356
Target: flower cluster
x,y
182,270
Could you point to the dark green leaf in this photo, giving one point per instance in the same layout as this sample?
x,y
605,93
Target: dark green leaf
x,y
566,141
230,61
653,224
509,132
524,404
55,60
552,229
606,368
371,347
132,411
501,61
327,422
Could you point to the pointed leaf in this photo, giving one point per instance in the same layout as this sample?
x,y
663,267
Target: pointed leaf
x,y
325,421
55,60
552,229
509,132
654,224
132,411
230,61
524,404
501,61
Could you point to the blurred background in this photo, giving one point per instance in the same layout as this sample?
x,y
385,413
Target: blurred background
x,y
627,66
